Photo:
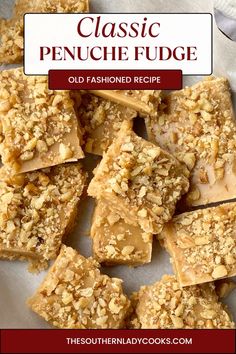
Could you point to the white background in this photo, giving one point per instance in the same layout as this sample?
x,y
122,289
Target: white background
x,y
47,30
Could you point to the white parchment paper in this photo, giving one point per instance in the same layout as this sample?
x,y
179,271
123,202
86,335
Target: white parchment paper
x,y
16,283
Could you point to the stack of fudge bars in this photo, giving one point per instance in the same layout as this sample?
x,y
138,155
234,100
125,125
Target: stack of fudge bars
x,y
188,158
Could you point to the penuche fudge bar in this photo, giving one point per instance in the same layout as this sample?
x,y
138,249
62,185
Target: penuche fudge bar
x,y
39,126
117,242
145,102
12,30
101,120
197,125
165,305
202,244
139,180
36,210
75,294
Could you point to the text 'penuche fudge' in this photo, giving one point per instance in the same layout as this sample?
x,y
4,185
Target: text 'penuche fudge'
x,y
197,126
75,294
116,241
202,244
12,30
139,180
36,210
39,126
165,305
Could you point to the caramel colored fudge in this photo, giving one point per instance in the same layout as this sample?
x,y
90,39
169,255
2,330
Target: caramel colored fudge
x,y
224,287
197,125
117,242
12,30
39,126
202,244
75,294
101,120
165,305
36,210
139,181
143,101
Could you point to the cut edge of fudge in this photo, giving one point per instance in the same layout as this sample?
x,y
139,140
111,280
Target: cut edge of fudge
x,y
74,294
206,140
116,241
115,187
47,217
143,101
202,244
39,126
165,305
100,120
224,287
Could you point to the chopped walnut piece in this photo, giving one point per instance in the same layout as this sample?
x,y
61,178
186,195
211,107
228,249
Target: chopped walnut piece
x,y
75,294
130,164
203,176
165,305
12,31
202,118
116,241
101,120
202,244
143,101
36,210
39,129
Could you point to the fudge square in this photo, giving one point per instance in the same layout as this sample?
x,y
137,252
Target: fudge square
x,y
143,101
197,125
12,30
202,244
165,305
39,126
139,181
101,120
36,210
75,294
116,241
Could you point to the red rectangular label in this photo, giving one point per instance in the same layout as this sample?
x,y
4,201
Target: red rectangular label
x,y
118,341
115,79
